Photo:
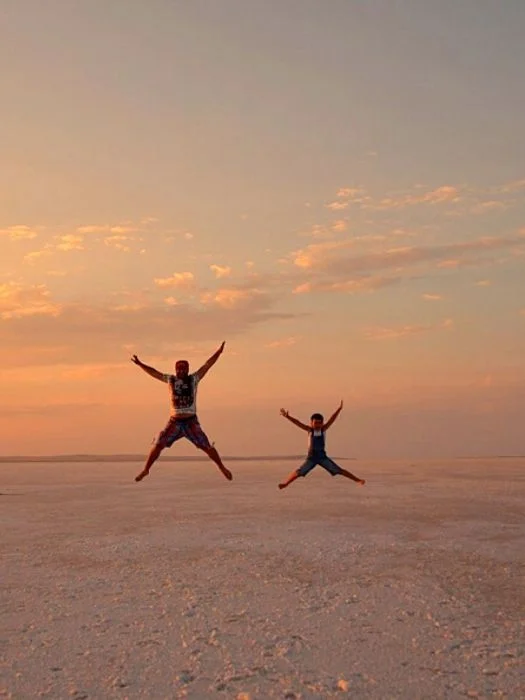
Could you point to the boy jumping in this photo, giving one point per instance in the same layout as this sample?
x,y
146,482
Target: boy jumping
x,y
316,448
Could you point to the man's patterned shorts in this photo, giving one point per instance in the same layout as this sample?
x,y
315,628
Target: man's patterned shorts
x,y
178,428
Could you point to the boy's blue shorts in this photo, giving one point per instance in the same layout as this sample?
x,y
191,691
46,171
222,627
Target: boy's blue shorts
x,y
325,462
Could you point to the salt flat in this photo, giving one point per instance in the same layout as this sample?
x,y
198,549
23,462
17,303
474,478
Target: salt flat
x,y
186,585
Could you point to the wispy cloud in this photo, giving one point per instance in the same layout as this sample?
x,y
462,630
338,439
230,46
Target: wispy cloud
x,y
337,205
283,342
392,333
221,271
19,232
95,228
431,297
350,192
489,206
465,199
36,330
177,280
119,242
339,226
356,285
327,256
110,229
439,195
70,242
230,297
510,187
17,301
34,256
314,253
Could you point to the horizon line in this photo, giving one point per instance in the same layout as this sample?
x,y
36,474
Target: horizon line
x,y
132,457
136,457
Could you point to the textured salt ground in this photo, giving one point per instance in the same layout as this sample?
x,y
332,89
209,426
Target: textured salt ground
x,y
188,586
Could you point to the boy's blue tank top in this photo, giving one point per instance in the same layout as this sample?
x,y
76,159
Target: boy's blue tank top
x,y
316,443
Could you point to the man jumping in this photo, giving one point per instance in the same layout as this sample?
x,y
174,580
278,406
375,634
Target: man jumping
x,y
183,421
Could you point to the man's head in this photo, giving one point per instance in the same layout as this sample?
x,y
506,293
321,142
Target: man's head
x,y
182,369
316,421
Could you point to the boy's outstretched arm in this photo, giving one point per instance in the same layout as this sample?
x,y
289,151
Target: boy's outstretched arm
x,y
210,362
296,422
333,416
149,370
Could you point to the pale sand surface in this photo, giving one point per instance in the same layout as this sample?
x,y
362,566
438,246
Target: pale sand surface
x,y
188,586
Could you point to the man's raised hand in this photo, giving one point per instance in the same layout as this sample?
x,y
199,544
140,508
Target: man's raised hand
x,y
136,360
284,412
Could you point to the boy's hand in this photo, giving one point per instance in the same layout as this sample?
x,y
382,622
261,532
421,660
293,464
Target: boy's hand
x,y
136,360
284,412
341,405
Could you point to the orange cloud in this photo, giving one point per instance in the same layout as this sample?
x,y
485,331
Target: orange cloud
x,y
91,229
445,193
19,232
337,205
118,241
361,284
351,192
17,301
303,288
35,255
283,343
383,333
328,256
509,187
108,228
221,271
349,286
36,331
432,297
488,206
449,264
339,226
178,279
70,242
229,297
316,252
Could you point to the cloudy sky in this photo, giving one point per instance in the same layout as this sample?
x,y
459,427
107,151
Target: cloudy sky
x,y
336,188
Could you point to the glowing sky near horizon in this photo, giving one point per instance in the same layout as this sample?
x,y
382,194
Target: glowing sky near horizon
x,y
337,189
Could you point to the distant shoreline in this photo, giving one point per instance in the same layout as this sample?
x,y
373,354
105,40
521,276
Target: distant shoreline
x,y
83,458
18,459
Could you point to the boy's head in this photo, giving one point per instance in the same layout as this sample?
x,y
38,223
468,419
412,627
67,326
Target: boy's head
x,y
316,421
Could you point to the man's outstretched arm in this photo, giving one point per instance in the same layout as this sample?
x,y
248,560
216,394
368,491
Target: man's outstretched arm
x,y
333,416
149,370
293,420
210,362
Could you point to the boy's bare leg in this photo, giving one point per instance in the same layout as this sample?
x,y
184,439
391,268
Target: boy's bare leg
x,y
349,475
152,457
293,476
214,455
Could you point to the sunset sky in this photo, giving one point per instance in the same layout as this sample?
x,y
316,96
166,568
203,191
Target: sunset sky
x,y
335,188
